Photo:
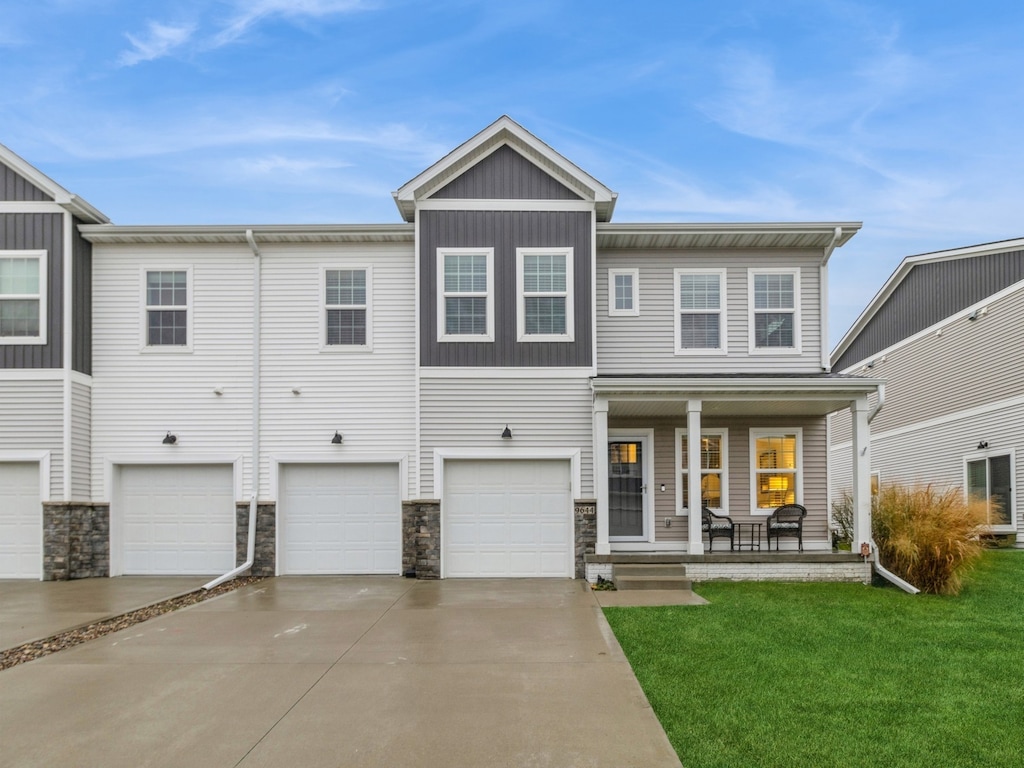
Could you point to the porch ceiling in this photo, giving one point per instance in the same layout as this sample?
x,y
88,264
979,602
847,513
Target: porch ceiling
x,y
658,408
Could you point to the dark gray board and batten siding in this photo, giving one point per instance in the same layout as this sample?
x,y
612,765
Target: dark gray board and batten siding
x,y
15,187
38,231
930,293
505,231
505,175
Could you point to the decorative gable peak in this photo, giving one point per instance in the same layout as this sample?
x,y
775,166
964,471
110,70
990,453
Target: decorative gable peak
x,y
28,183
505,140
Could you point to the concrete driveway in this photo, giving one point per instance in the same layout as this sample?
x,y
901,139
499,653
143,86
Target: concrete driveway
x,y
344,671
32,610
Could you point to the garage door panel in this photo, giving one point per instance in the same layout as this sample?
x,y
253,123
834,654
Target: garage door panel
x,y
177,519
21,521
507,518
340,518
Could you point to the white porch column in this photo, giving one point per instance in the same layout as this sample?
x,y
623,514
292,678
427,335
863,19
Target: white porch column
x,y
601,474
695,546
861,473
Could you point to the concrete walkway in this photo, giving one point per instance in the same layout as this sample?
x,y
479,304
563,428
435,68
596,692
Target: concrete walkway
x,y
32,610
344,671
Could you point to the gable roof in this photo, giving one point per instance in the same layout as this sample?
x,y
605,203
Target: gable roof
x,y
73,203
504,132
926,289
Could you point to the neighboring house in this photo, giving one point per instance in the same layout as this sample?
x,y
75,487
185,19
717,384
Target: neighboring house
x,y
503,384
946,333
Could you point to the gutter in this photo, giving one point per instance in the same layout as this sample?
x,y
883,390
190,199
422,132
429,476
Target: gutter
x,y
250,550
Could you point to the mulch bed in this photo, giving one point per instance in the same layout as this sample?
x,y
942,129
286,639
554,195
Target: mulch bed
x,y
36,650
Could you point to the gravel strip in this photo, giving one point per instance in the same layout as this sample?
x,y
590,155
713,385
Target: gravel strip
x,y
36,650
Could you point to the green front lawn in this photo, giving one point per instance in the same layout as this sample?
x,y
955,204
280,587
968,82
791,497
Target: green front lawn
x,y
838,674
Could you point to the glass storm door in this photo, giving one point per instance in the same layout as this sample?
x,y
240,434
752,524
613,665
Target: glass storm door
x,y
625,490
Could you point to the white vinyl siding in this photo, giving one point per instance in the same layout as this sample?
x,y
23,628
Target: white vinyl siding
x,y
649,340
774,300
21,521
138,397
23,291
544,289
700,310
167,321
465,304
624,292
347,319
544,414
32,420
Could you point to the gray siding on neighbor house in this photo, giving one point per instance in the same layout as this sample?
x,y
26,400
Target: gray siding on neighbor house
x,y
505,175
38,231
14,186
505,231
930,293
81,304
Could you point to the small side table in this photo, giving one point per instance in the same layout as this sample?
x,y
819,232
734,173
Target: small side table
x,y
753,536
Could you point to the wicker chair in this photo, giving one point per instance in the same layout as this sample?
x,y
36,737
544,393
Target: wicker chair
x,y
787,520
716,526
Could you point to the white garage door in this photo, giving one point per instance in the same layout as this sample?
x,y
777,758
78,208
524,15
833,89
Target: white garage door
x,y
21,521
340,518
507,518
177,519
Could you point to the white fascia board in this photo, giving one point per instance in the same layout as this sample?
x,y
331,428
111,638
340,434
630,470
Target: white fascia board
x,y
61,196
710,388
502,131
235,234
901,272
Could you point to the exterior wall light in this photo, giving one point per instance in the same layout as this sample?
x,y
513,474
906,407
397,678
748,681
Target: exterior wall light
x,y
506,434
337,439
170,439
983,445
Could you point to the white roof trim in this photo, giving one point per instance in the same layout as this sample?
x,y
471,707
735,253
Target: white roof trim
x,y
235,234
72,202
901,272
503,131
708,388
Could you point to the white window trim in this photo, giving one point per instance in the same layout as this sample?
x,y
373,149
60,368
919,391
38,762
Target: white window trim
x,y
40,338
442,295
324,306
166,349
723,339
752,457
521,334
681,509
635,310
978,456
751,312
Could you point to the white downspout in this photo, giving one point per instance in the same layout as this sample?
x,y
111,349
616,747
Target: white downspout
x,y
880,405
826,363
250,550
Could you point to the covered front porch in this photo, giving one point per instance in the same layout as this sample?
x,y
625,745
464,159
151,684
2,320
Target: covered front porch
x,y
762,444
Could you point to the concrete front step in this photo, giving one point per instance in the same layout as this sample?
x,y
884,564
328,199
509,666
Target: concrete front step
x,y
650,576
651,582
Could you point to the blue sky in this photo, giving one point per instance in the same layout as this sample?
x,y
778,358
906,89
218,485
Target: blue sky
x,y
908,116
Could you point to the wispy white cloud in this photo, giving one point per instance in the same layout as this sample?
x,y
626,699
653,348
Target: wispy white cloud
x,y
251,13
159,40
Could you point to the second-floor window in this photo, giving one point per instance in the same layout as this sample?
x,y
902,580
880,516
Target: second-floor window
x,y
774,310
167,308
347,308
22,297
700,309
545,311
465,305
623,292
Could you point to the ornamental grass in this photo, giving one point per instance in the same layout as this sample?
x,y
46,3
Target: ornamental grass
x,y
929,537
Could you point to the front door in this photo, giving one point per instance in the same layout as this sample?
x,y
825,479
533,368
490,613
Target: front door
x,y
626,490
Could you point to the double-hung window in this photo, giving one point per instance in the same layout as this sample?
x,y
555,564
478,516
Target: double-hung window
x,y
465,305
700,309
22,297
989,479
623,292
544,277
714,480
168,295
776,468
774,296
346,312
